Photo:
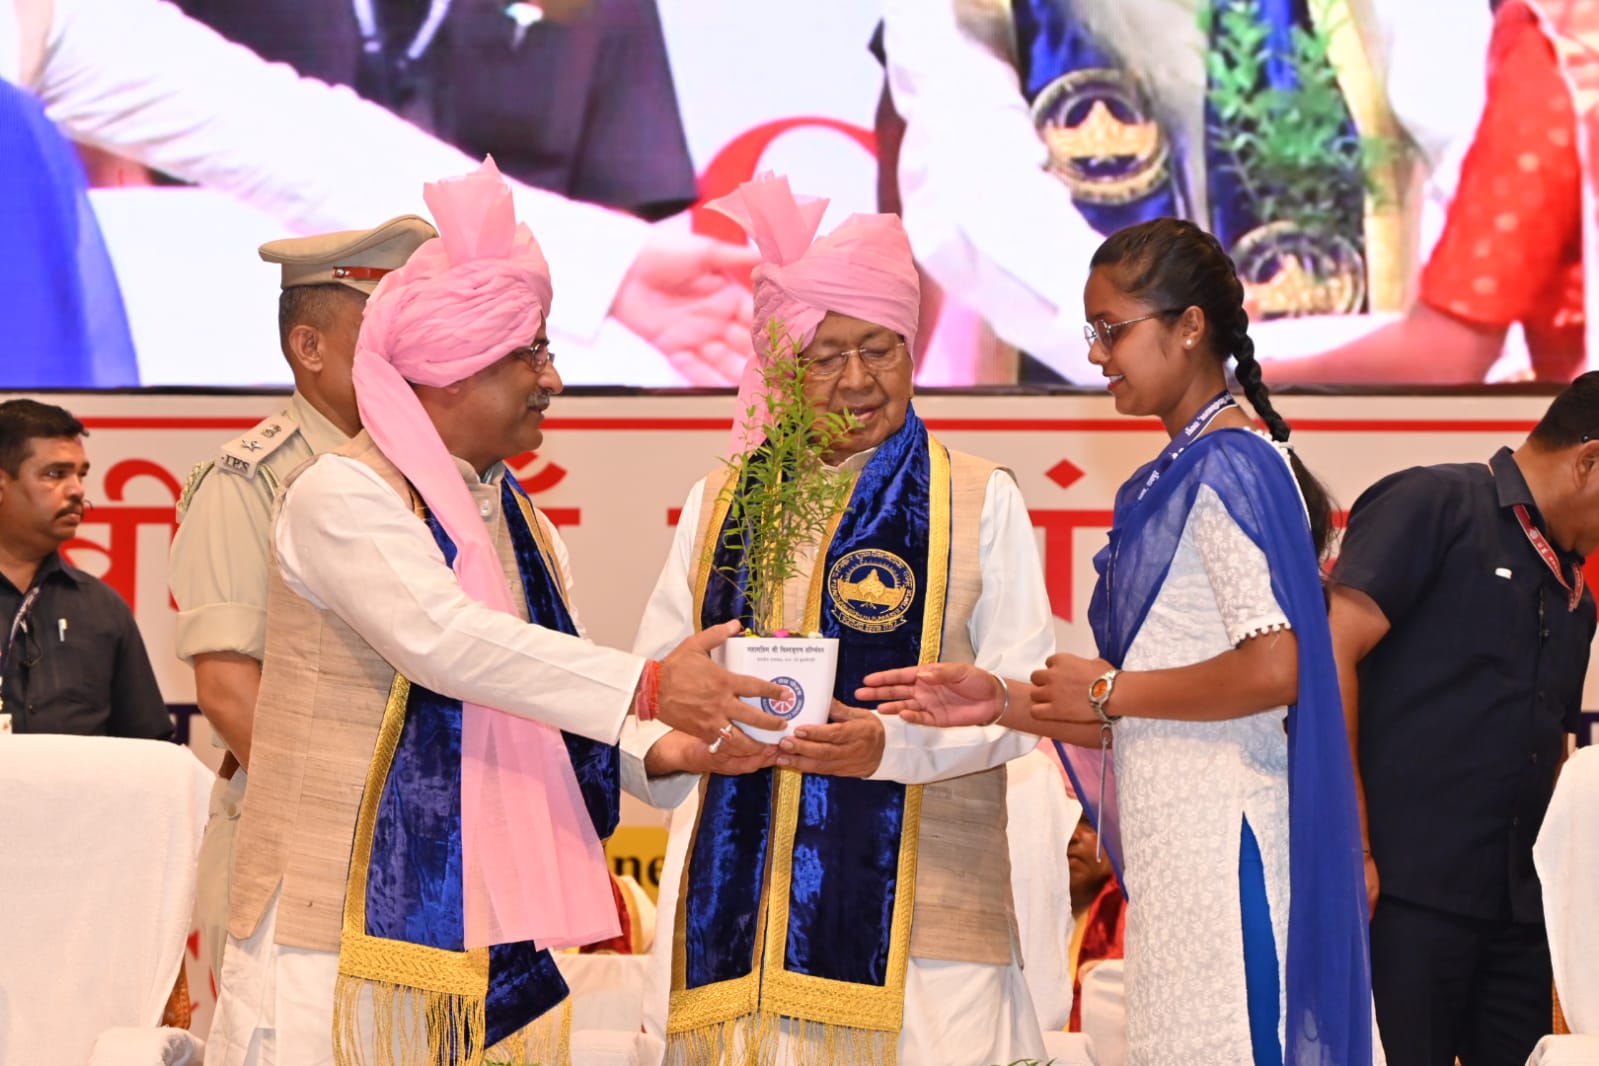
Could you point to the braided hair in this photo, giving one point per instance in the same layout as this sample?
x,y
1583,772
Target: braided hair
x,y
1172,263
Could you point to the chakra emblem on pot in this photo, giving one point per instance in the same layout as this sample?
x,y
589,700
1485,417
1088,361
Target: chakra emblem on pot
x,y
789,706
871,590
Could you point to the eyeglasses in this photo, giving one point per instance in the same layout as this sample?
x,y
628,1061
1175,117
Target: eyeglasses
x,y
875,358
537,355
1105,332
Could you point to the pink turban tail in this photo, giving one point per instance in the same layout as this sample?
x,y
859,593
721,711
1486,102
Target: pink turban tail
x,y
531,861
863,269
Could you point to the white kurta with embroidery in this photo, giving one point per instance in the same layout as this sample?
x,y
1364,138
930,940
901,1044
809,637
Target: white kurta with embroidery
x,y
956,1014
1184,789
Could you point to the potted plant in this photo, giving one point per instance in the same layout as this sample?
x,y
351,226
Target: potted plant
x,y
781,502
1300,166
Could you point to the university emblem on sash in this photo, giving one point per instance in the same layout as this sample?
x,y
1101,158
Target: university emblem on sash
x,y
1103,141
1290,271
871,590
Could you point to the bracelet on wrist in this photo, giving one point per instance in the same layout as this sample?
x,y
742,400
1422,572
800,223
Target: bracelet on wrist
x,y
646,700
1004,703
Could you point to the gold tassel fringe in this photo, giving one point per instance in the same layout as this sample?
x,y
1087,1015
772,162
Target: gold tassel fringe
x,y
381,1024
758,1039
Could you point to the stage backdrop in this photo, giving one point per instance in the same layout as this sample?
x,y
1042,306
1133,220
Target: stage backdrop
x,y
616,468
1006,180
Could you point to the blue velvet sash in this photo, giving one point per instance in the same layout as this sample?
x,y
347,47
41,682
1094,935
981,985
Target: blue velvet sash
x,y
1124,165
799,882
1328,968
412,870
65,323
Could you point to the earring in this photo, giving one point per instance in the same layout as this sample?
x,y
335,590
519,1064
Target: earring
x,y
1189,343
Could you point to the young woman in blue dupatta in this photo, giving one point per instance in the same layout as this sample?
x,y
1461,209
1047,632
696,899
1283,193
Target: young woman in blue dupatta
x,y
1208,738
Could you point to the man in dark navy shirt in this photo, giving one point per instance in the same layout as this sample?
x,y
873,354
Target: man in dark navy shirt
x,y
71,659
1462,627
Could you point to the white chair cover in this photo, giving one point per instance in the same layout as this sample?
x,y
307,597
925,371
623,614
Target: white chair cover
x,y
1572,1050
1042,816
100,837
1567,857
1105,1012
608,1010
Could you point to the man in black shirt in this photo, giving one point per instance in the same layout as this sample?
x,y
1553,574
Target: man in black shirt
x,y
71,659
1461,628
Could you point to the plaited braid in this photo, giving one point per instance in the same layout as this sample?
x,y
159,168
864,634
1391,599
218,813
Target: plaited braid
x,y
1172,264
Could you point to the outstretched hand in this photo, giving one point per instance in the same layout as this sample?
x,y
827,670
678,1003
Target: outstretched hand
x,y
941,694
689,296
700,698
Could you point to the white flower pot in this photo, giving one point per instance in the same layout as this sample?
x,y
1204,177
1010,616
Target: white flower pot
x,y
806,666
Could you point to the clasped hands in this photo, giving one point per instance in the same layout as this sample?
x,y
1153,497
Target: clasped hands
x,y
956,694
850,744
700,700
689,296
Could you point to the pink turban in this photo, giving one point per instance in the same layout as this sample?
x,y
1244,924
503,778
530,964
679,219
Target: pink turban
x,y
863,269
532,864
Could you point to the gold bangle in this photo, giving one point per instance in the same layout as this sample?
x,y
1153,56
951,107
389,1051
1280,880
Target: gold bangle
x,y
1005,694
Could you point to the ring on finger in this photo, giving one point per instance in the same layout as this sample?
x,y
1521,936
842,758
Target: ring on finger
x,y
724,733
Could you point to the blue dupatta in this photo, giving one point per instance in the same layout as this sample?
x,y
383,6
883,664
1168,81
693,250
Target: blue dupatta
x,y
1328,973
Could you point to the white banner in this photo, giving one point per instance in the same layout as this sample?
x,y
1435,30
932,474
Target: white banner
x,y
615,469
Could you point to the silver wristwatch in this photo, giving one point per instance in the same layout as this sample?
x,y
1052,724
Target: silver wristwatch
x,y
1099,695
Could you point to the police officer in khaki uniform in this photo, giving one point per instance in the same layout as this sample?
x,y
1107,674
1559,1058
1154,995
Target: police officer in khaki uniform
x,y
221,556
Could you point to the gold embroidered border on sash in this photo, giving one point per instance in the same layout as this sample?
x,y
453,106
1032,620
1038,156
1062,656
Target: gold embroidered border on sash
x,y
402,1004
546,549
990,23
702,1021
1386,224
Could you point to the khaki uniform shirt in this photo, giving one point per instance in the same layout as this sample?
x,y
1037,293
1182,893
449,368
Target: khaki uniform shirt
x,y
222,554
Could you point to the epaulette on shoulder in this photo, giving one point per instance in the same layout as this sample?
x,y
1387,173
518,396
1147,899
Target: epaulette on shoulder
x,y
243,455
197,475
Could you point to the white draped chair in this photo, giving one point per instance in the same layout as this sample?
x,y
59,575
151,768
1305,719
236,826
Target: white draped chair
x,y
1567,857
1042,818
99,838
608,997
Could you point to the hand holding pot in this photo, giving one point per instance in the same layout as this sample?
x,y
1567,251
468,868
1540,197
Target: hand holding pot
x,y
849,745
736,754
699,698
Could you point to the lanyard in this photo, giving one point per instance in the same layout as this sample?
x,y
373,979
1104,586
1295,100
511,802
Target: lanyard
x,y
1204,418
1540,544
19,621
366,18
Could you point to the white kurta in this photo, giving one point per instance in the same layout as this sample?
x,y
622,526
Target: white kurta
x,y
1183,790
960,1014
348,543
972,166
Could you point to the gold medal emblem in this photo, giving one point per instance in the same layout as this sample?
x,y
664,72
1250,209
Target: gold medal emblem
x,y
1288,271
872,590
1103,140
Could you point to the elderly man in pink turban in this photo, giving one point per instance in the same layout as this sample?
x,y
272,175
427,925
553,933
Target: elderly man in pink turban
x,y
434,754
845,896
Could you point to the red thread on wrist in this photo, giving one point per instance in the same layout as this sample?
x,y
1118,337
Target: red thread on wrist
x,y
646,701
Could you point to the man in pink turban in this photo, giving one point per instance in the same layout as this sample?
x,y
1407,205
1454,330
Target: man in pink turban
x,y
845,896
434,754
